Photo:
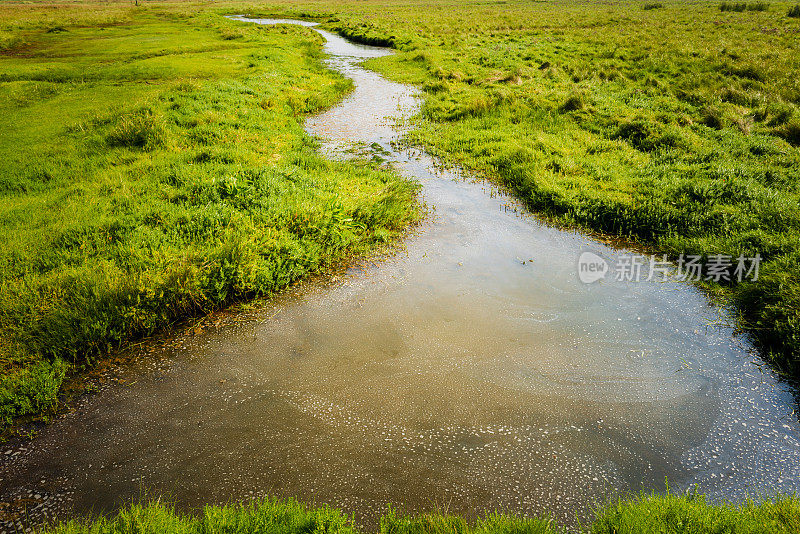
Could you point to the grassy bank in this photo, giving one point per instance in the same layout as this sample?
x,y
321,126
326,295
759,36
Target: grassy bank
x,y
673,124
646,514
154,167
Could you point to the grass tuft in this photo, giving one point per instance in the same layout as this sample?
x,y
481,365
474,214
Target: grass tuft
x,y
693,514
791,132
574,102
138,129
31,390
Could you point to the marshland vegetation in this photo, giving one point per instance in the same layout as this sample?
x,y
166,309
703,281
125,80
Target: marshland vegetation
x,y
155,167
133,155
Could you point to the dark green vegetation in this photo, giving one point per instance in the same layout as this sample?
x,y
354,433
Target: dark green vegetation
x,y
646,514
154,167
794,11
677,128
739,7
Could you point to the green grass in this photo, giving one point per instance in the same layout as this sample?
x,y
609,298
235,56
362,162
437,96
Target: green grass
x,y
692,514
662,514
743,6
154,168
269,516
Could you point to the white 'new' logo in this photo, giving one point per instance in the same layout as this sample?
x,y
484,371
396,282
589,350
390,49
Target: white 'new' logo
x,y
591,267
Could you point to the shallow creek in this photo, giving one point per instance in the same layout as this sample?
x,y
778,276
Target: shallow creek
x,y
470,371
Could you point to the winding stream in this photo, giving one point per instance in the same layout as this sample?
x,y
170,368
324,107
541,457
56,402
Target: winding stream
x,y
472,371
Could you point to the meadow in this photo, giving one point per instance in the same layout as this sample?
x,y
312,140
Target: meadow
x,y
154,168
664,514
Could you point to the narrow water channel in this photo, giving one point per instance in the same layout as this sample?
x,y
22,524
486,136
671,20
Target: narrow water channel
x,y
472,371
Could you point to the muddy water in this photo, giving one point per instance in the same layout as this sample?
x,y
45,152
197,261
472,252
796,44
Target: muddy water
x,y
471,371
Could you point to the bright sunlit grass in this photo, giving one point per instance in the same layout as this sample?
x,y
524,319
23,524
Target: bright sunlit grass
x,y
646,514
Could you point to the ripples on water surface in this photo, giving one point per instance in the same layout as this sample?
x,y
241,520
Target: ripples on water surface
x,y
471,371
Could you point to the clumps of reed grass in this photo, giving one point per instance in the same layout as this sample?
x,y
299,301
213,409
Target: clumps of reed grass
x,y
736,7
230,34
713,117
10,42
740,98
574,102
436,86
794,12
774,113
140,129
791,132
652,5
422,56
366,34
739,7
646,135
